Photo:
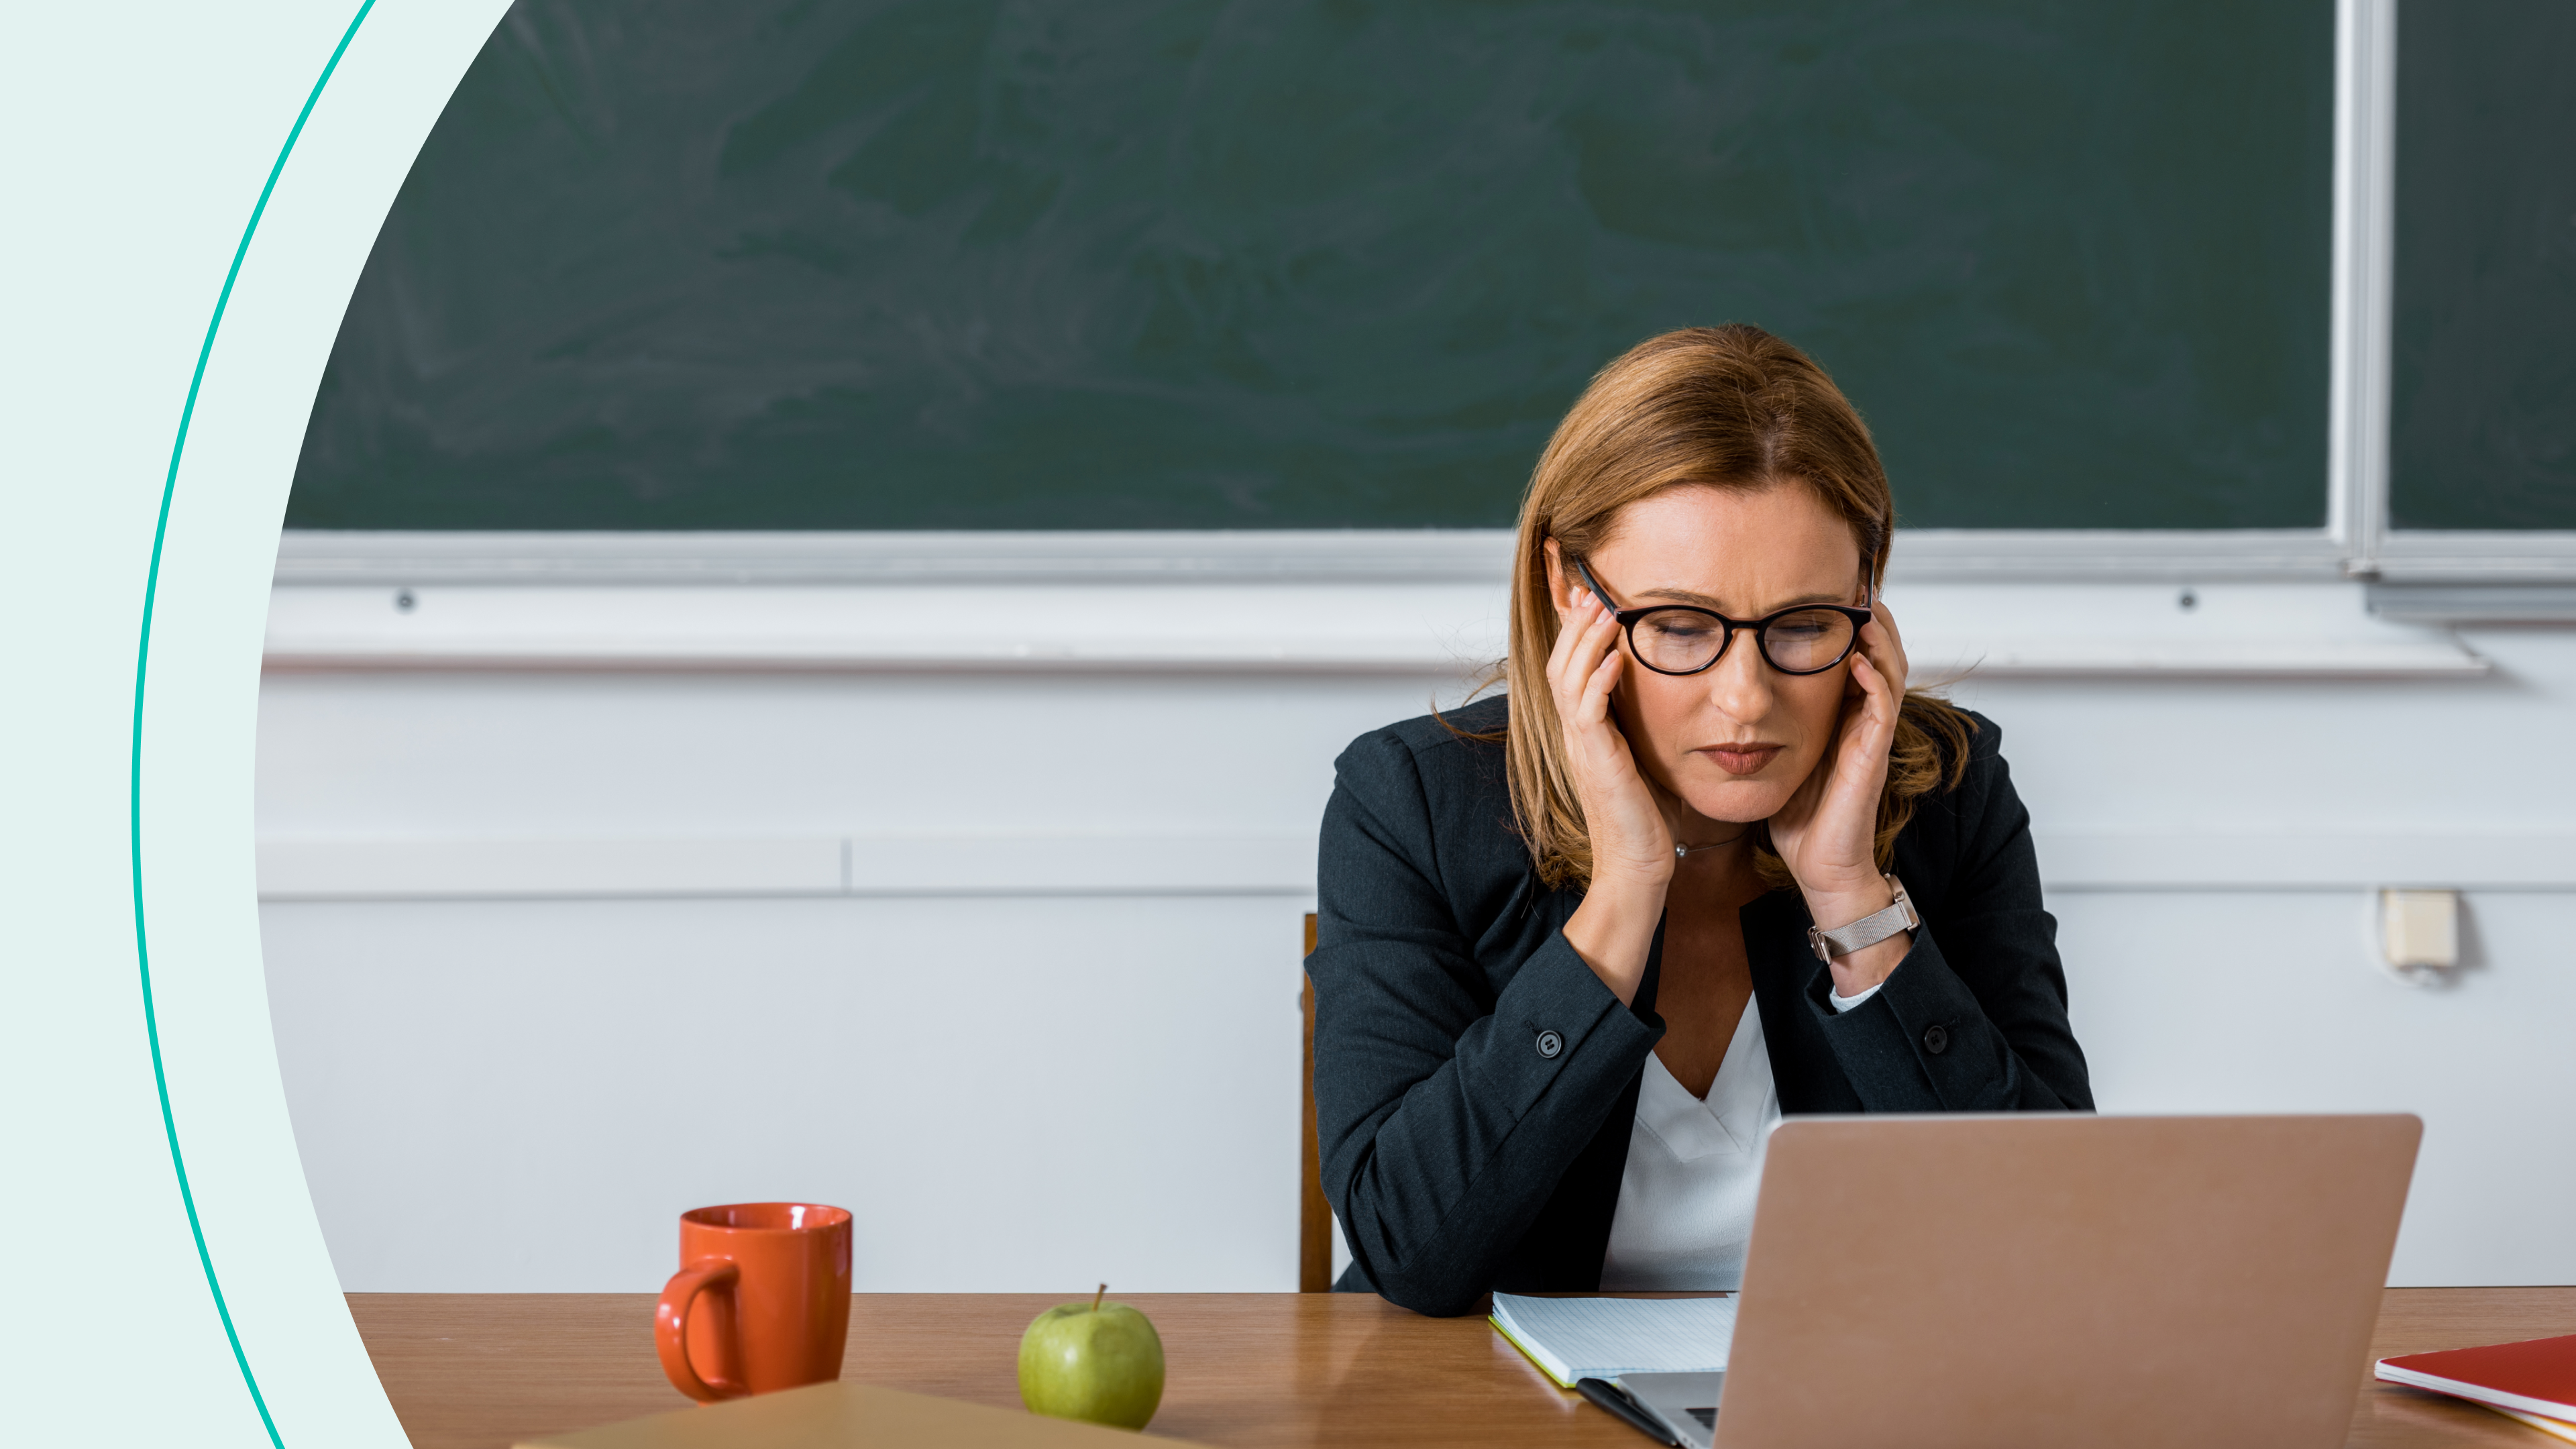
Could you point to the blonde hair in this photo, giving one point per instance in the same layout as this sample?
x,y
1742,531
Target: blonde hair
x,y
1728,407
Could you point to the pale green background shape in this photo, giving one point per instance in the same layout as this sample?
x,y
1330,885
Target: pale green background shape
x,y
138,139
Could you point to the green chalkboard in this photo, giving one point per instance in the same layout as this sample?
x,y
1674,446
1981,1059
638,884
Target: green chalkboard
x,y
2483,383
689,264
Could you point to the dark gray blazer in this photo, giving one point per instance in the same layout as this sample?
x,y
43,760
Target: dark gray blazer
x,y
1464,1155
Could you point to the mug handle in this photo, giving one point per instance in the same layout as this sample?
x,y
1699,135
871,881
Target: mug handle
x,y
671,1327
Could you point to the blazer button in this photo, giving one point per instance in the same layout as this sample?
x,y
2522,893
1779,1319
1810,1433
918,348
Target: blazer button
x,y
1549,1044
1936,1038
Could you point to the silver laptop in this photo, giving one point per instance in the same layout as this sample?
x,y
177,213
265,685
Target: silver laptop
x,y
1685,1404
1994,1282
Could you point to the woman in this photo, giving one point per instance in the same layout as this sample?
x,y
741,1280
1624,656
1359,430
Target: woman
x,y
1707,862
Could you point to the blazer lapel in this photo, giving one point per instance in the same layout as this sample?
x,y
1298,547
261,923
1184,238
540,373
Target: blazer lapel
x,y
1803,1067
1562,1249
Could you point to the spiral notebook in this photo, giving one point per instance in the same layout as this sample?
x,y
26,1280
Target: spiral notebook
x,y
1602,1338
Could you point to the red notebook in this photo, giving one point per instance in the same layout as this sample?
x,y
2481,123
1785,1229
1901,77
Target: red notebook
x,y
2537,1376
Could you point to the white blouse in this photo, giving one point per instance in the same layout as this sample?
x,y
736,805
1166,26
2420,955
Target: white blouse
x,y
1685,1208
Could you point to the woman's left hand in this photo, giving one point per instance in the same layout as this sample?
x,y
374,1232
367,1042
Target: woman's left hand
x,y
1827,833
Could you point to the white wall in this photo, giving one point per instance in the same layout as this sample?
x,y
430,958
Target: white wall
x,y
2269,999
1010,1094
995,940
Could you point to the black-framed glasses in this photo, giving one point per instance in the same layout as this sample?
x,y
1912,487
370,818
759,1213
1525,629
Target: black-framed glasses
x,y
1684,639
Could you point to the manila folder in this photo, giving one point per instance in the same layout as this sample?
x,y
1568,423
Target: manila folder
x,y
840,1416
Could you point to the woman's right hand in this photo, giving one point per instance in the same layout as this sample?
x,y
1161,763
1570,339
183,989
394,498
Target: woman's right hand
x,y
1632,844
1630,836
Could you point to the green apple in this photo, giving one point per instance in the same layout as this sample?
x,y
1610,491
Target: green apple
x,y
1099,1362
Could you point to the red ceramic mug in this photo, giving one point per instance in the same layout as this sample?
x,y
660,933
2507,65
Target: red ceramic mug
x,y
761,1301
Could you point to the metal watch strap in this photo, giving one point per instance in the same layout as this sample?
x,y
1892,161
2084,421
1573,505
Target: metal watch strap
x,y
1869,930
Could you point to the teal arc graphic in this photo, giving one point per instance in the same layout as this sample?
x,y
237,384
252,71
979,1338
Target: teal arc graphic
x,y
134,780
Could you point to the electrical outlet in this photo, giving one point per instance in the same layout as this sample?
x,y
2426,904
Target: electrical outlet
x,y
2419,930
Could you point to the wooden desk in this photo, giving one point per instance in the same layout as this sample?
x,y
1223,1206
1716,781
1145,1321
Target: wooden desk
x,y
1247,1370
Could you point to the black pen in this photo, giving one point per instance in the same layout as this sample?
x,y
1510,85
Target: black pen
x,y
1615,1399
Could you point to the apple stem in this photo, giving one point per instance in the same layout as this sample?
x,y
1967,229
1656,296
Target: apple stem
x,y
1096,1297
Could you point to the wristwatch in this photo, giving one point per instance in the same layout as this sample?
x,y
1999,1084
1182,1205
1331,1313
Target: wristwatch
x,y
1869,930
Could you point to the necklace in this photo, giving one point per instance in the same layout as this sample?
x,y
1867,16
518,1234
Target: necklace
x,y
1685,852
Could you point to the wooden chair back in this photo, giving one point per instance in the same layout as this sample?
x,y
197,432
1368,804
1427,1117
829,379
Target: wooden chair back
x,y
1314,1214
